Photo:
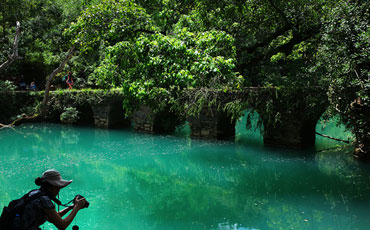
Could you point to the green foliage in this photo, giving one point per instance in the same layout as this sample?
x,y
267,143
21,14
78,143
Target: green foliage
x,y
102,24
344,54
70,115
13,104
158,51
79,99
41,43
108,22
275,42
7,86
157,68
166,13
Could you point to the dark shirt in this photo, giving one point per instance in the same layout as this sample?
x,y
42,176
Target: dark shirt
x,y
33,215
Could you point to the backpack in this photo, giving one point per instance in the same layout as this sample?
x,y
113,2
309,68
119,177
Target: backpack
x,y
10,218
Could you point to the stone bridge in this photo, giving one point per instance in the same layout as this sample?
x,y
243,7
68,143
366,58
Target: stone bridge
x,y
296,126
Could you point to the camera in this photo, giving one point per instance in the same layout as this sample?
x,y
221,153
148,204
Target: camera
x,y
79,197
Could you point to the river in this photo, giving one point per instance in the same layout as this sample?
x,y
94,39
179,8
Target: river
x,y
171,182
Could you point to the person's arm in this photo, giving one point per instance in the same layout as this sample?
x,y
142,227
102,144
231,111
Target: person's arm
x,y
65,211
56,219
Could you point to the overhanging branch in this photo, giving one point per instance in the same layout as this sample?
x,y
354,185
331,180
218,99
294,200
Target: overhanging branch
x,y
14,56
266,41
280,12
332,138
286,48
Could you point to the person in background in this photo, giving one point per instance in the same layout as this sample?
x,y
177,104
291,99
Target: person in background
x,y
33,86
38,210
22,84
69,80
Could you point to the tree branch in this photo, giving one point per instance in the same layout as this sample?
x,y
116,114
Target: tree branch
x,y
19,120
43,108
267,40
280,12
333,138
144,31
286,48
14,56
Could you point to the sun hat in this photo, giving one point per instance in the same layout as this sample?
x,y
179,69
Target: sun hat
x,y
54,178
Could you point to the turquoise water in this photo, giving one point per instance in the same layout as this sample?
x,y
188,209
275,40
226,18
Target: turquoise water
x,y
141,181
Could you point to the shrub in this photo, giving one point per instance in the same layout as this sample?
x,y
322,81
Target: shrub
x,y
70,115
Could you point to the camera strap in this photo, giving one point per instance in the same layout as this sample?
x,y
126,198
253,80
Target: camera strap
x,y
59,203
66,204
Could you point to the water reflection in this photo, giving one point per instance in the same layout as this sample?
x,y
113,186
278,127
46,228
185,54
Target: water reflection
x,y
138,181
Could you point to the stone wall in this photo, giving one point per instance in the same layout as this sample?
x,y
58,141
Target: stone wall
x,y
212,124
101,115
143,119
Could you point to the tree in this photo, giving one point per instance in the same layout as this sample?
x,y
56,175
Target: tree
x,y
14,56
44,104
267,33
156,69
107,23
42,43
343,54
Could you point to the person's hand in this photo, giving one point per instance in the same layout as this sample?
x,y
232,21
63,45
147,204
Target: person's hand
x,y
80,203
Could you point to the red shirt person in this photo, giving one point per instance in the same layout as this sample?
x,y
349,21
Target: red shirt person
x,y
69,80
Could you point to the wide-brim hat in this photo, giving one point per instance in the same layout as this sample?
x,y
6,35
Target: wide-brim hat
x,y
54,178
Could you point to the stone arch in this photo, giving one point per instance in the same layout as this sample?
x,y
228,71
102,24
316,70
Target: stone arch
x,y
109,114
212,124
296,129
148,121
86,114
117,117
252,134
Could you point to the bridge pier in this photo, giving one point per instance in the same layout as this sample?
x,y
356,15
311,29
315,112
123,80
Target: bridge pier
x,y
143,119
212,124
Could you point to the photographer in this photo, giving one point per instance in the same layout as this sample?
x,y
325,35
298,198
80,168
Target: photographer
x,y
40,208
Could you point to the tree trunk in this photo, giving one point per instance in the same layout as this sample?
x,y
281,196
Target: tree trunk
x,y
14,56
44,104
